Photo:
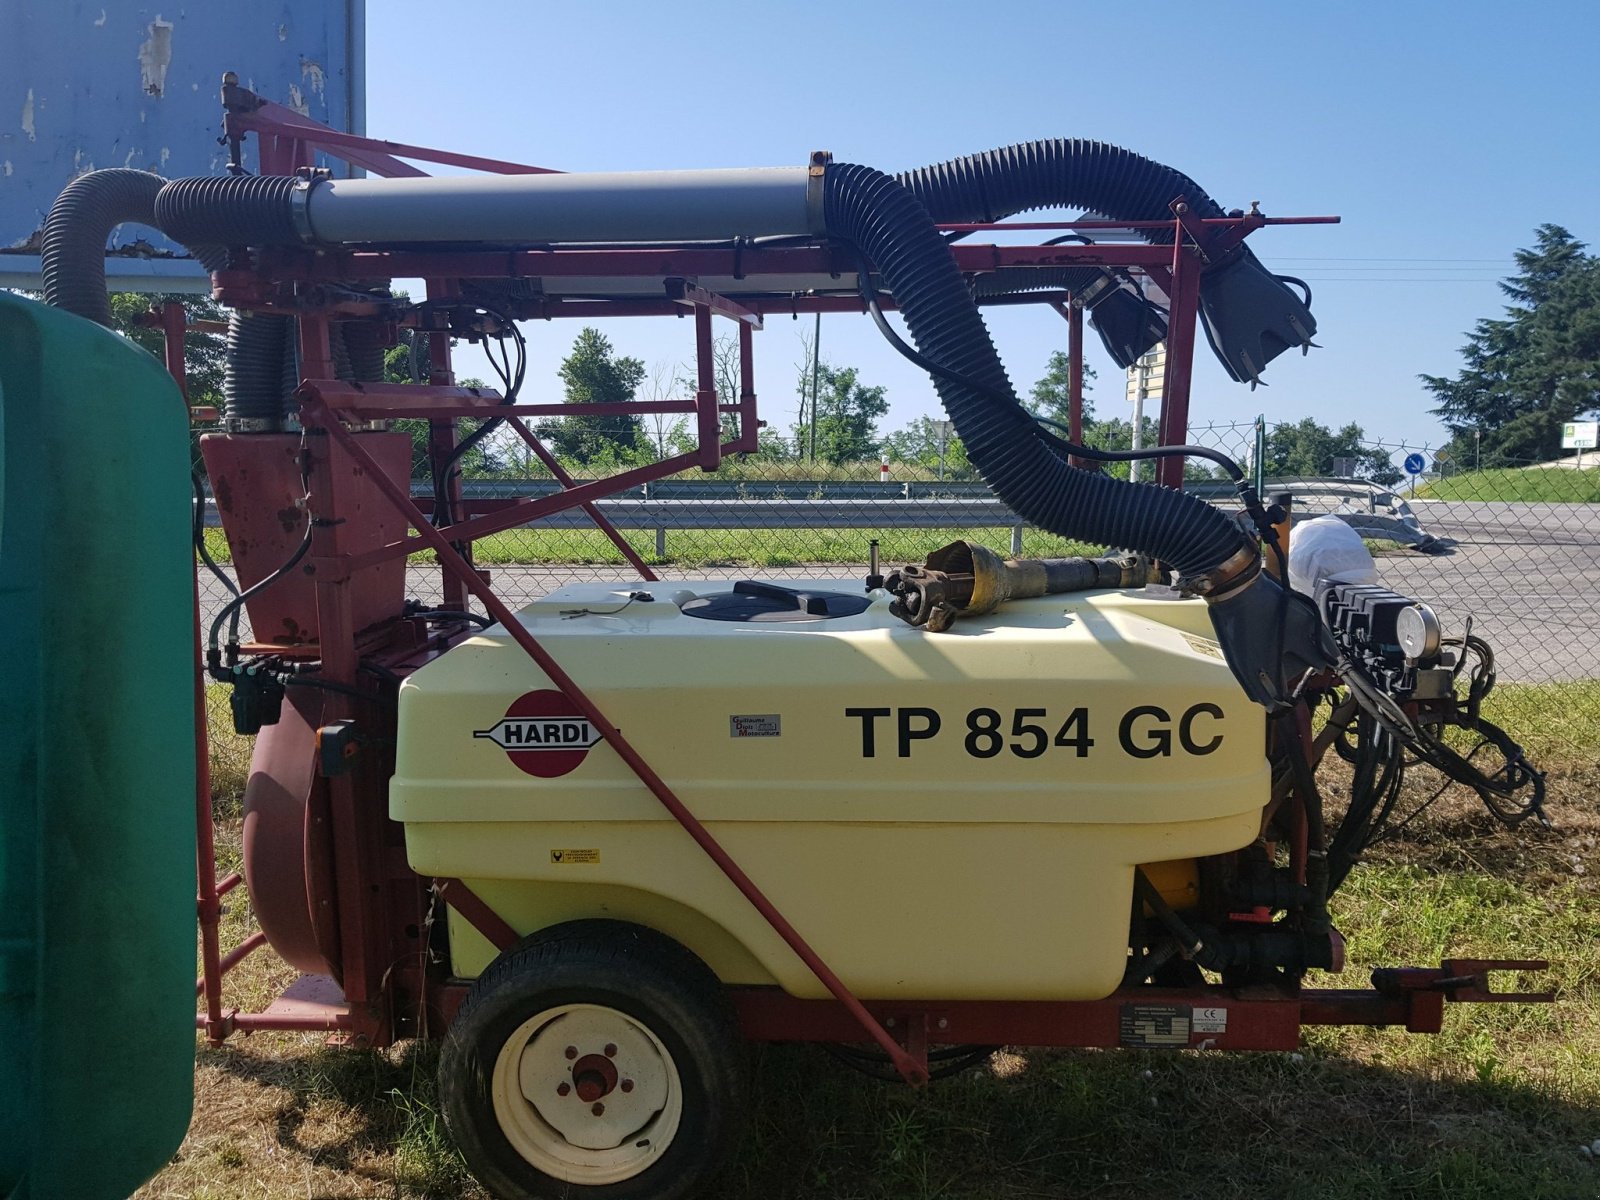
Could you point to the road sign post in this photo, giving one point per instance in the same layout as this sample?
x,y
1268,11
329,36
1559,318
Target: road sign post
x,y
1415,465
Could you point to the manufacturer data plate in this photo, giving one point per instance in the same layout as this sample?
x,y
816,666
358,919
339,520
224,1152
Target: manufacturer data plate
x,y
1155,1026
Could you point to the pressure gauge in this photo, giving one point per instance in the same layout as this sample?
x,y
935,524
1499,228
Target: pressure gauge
x,y
1417,631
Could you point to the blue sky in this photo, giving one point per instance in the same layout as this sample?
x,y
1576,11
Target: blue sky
x,y
1441,133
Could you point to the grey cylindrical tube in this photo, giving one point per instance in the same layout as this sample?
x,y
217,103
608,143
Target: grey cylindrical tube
x,y
638,206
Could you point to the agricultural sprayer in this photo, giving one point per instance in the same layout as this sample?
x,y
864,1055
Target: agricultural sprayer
x,y
598,843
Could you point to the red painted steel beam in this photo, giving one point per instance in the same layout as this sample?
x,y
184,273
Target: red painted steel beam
x,y
708,419
1182,319
319,415
602,522
375,154
682,292
500,934
1253,1022
230,960
521,512
333,265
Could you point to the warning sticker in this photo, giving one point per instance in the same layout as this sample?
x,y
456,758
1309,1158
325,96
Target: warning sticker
x,y
760,725
1204,646
1209,1020
575,857
1155,1026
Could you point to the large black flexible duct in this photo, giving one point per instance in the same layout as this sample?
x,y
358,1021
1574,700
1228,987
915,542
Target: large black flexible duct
x,y
74,270
231,210
1249,316
884,220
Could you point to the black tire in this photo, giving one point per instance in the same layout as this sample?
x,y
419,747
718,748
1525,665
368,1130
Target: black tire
x,y
587,973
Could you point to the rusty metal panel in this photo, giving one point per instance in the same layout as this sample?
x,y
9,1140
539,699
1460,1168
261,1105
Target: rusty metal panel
x,y
116,83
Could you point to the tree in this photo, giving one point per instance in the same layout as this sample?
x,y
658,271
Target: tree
x,y
204,354
593,374
1536,368
929,442
1307,448
1052,396
847,414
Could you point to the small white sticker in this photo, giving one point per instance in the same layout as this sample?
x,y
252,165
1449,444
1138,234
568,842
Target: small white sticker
x,y
1210,1020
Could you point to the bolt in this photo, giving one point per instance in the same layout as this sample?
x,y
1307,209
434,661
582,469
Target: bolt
x,y
598,1109
611,1049
1180,208
944,1023
889,1024
572,1052
626,1085
563,1088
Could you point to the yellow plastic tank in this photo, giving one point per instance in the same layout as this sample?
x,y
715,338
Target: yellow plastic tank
x,y
942,816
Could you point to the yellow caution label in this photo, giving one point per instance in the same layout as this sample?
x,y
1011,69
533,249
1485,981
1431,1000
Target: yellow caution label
x,y
564,857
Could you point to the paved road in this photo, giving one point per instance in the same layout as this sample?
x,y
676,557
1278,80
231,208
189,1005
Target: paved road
x,y
1527,574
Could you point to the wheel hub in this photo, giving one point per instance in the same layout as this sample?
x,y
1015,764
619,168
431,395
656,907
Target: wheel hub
x,y
598,1080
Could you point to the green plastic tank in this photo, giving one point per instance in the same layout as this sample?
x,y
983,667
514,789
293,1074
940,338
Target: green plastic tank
x,y
97,774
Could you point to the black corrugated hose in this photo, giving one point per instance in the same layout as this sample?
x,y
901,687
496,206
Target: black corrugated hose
x,y
73,264
870,210
1056,173
881,218
1249,316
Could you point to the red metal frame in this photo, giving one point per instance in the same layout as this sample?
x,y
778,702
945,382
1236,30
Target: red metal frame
x,y
388,989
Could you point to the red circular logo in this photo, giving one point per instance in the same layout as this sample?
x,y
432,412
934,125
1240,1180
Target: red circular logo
x,y
543,734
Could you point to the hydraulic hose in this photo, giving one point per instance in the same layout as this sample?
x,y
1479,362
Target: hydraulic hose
x,y
73,263
884,220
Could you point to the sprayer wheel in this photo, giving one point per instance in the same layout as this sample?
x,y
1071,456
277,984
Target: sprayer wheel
x,y
595,1059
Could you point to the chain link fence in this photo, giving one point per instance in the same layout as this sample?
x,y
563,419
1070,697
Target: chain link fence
x,y
1515,550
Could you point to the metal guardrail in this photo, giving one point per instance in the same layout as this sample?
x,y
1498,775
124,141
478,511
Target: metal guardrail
x,y
1373,511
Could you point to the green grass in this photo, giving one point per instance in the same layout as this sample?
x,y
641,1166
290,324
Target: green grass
x,y
1557,722
689,548
1551,485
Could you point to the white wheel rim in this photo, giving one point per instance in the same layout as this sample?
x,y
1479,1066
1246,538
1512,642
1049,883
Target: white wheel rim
x,y
586,1094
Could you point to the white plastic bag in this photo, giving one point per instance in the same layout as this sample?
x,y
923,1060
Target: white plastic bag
x,y
1325,550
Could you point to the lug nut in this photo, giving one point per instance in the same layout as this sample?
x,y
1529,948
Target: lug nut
x,y
611,1049
572,1052
563,1088
626,1085
598,1109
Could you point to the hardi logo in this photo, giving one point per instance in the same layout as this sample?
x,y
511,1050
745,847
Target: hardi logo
x,y
542,734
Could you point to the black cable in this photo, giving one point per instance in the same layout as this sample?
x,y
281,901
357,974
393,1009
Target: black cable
x,y
452,614
511,380
1235,472
200,546
1304,286
230,611
870,296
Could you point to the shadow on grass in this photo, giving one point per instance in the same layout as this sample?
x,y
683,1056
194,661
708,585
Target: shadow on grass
x,y
1114,1124
366,1114
1032,1123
